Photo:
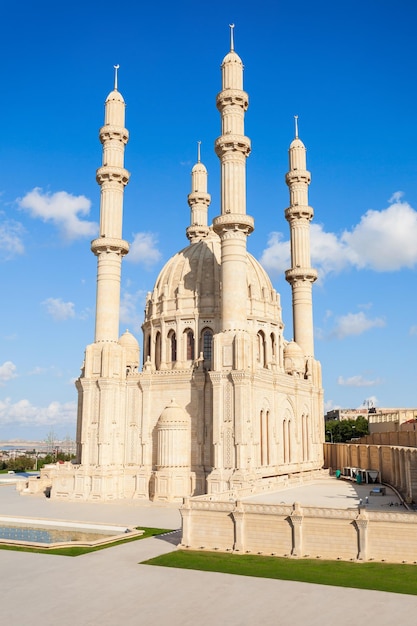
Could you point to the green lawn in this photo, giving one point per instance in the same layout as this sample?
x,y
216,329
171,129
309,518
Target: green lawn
x,y
377,576
78,550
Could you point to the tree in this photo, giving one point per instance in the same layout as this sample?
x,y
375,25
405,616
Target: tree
x,y
345,430
20,464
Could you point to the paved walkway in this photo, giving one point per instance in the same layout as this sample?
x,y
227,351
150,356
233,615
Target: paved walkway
x,y
109,587
329,492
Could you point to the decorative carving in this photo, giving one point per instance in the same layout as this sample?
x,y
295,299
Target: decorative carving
x,y
113,174
228,402
235,143
109,244
232,97
110,132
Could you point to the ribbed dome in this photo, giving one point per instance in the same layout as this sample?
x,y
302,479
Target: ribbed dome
x,y
294,362
232,57
199,168
115,95
292,349
192,278
297,143
173,414
127,340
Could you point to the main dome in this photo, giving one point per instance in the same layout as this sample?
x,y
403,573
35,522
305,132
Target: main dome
x,y
190,284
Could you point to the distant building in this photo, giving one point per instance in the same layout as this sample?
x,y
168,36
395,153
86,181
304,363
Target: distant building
x,y
379,419
346,414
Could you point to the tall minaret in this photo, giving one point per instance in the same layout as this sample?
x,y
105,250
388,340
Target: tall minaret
x,y
301,276
110,247
233,225
198,201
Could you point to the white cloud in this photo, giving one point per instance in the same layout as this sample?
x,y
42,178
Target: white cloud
x,y
58,309
62,209
7,372
383,241
355,324
143,249
357,381
276,257
23,413
11,243
132,306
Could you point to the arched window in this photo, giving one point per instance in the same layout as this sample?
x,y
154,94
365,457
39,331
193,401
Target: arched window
x,y
172,339
264,437
261,349
207,341
190,345
273,347
158,350
148,347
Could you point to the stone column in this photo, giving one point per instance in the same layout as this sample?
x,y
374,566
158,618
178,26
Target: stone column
x,y
301,276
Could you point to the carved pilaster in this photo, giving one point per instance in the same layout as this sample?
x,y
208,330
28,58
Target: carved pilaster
x,y
239,520
296,519
362,523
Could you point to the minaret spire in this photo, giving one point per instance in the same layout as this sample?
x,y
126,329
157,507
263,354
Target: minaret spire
x,y
296,126
301,276
110,247
233,225
232,43
198,201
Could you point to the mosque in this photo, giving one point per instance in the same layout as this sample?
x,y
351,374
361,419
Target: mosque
x,y
221,399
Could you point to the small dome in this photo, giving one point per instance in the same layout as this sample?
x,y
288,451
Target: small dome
x,y
297,143
199,168
115,96
294,362
127,340
232,57
173,414
292,349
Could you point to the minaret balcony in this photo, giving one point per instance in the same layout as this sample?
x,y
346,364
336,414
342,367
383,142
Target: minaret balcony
x,y
299,212
196,233
198,197
235,222
232,143
301,274
109,173
298,176
110,132
232,97
109,244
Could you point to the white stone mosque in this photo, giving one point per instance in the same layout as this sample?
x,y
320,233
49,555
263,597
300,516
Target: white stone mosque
x,y
222,400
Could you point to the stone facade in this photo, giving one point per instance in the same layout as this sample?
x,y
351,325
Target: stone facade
x,y
222,399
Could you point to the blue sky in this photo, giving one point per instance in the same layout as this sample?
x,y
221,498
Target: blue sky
x,y
347,69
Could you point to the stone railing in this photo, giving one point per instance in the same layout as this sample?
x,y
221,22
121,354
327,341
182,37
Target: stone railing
x,y
295,531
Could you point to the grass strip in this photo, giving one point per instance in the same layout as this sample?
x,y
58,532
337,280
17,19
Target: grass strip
x,y
394,578
79,550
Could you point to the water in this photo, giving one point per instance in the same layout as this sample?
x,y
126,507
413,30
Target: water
x,y
50,535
